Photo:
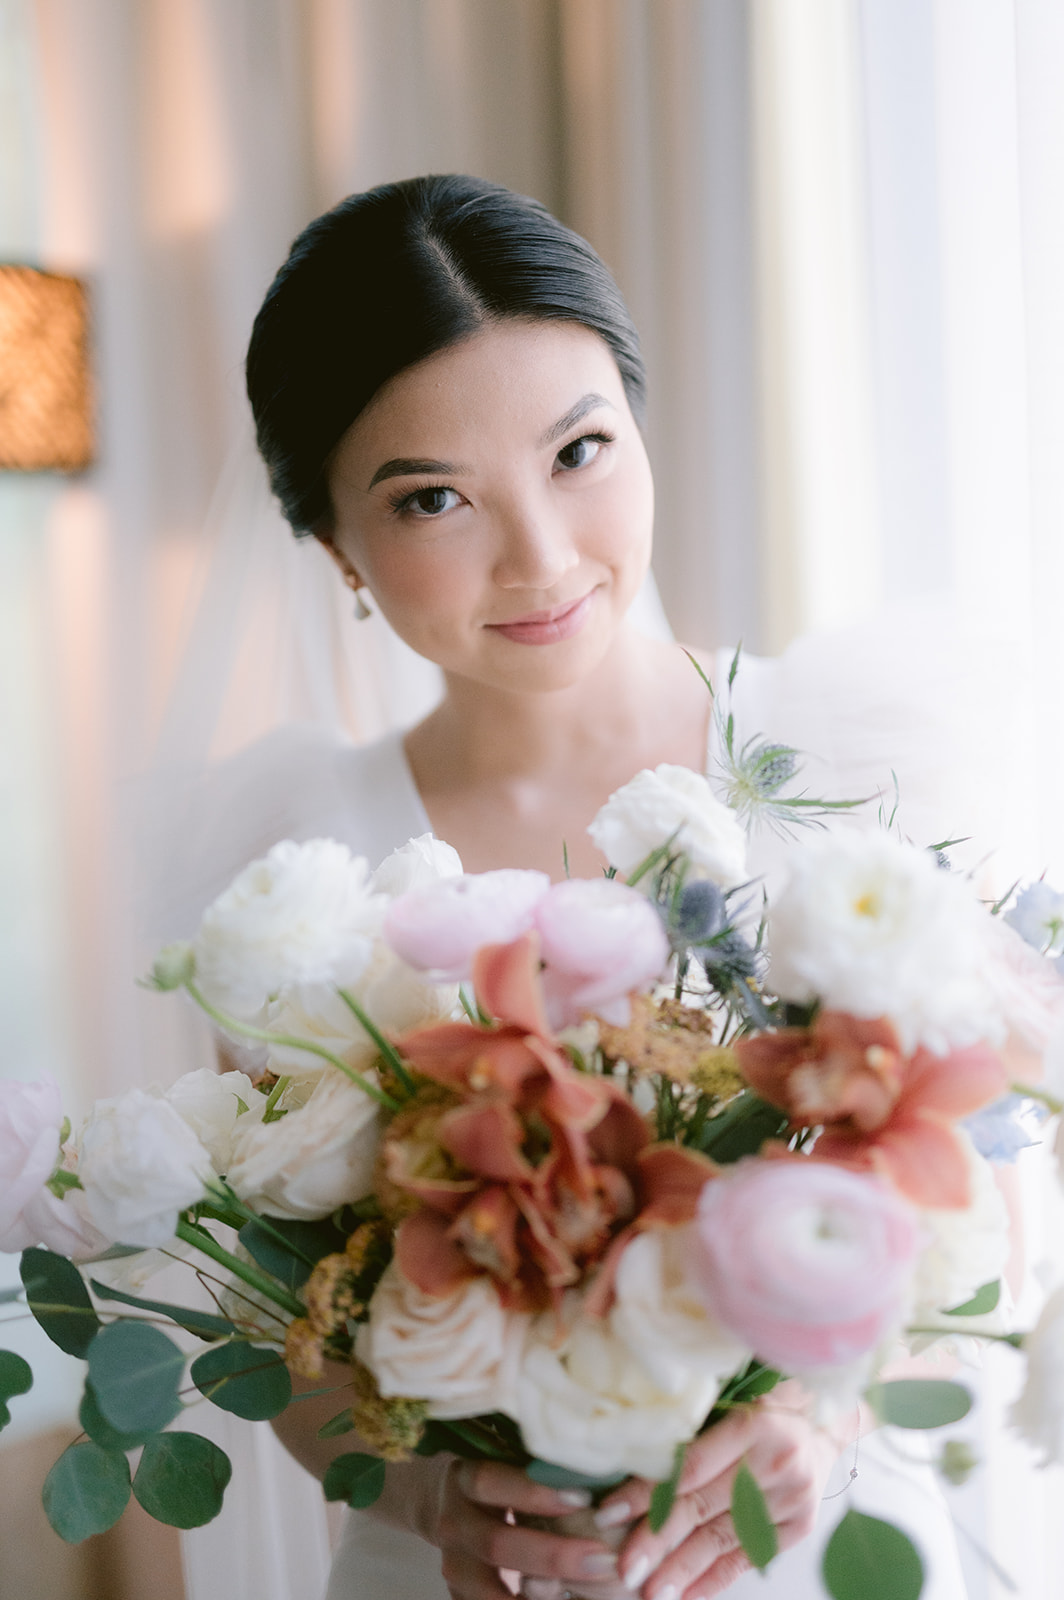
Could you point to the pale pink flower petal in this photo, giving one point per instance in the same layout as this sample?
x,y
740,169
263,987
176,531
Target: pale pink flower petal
x,y
600,941
31,1115
439,927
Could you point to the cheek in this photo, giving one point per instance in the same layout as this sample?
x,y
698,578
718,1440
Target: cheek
x,y
417,581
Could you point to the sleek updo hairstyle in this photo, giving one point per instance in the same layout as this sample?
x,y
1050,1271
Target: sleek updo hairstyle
x,y
390,277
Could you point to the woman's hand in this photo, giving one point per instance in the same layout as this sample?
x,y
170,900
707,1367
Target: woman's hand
x,y
697,1554
476,1541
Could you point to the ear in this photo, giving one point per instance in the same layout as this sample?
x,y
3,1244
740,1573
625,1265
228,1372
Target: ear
x,y
347,571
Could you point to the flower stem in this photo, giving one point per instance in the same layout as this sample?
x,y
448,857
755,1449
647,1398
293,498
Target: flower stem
x,y
200,1239
1043,1096
232,1025
1014,1339
386,1048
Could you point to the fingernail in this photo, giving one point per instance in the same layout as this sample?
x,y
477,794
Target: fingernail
x,y
600,1564
669,1592
613,1515
579,1499
637,1572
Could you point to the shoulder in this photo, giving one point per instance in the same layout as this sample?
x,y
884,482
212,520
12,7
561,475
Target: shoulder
x,y
297,782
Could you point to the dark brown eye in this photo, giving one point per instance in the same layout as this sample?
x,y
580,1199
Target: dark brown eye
x,y
430,502
581,452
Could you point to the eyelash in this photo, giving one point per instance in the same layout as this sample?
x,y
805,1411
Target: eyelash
x,y
402,500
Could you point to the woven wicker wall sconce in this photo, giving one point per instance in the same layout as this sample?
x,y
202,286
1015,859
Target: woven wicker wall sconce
x,y
45,388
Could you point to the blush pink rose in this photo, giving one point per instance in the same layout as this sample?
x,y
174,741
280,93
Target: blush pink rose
x,y
600,941
808,1263
31,1116
438,928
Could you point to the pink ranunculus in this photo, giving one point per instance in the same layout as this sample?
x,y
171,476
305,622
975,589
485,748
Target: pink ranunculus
x,y
600,941
808,1263
31,1116
438,928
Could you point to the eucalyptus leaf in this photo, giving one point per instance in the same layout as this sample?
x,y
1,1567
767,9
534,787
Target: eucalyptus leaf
x,y
343,1422
983,1301
16,1377
356,1479
86,1491
663,1495
868,1559
58,1298
100,1430
755,1528
919,1402
135,1371
290,1249
181,1479
551,1476
202,1323
249,1380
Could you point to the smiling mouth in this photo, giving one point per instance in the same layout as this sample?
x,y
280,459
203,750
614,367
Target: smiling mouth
x,y
546,627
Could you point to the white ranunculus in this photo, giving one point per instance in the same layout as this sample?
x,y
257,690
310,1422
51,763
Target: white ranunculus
x,y
457,1351
210,1103
392,994
965,1249
672,803
416,864
583,1400
663,1321
317,1157
305,913
871,925
140,1164
1038,1414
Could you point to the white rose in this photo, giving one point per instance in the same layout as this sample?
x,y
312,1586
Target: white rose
x,y
210,1103
317,1157
871,925
305,913
663,1321
966,1248
1038,1414
456,1351
416,864
584,1401
63,1225
140,1165
392,995
672,803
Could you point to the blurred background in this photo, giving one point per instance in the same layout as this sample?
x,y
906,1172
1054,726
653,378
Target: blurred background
x,y
839,225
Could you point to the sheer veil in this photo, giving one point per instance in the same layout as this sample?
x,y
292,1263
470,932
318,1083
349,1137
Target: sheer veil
x,y
270,646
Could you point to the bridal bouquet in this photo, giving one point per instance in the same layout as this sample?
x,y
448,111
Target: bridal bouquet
x,y
552,1174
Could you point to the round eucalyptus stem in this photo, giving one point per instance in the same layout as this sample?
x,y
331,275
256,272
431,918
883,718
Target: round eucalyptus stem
x,y
249,1031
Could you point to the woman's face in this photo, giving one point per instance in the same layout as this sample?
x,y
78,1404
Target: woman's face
x,y
496,500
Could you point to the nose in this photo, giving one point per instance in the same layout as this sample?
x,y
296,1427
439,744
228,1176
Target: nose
x,y
536,548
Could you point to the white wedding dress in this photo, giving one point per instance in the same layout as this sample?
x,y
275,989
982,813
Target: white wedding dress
x,y
833,697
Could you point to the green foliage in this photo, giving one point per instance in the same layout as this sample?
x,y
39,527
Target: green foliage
x,y
249,1380
343,1422
181,1479
201,1323
663,1495
290,1250
58,1298
919,1402
983,1301
135,1371
16,1377
552,1476
755,1528
741,1128
100,1430
356,1479
867,1559
86,1491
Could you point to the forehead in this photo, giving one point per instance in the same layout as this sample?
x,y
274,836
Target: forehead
x,y
510,378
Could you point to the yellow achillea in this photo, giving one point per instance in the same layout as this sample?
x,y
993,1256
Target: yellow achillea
x,y
667,1037
392,1427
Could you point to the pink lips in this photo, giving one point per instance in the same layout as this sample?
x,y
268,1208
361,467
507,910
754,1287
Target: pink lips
x,y
547,627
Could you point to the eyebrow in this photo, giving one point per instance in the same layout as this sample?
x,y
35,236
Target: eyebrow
x,y
417,466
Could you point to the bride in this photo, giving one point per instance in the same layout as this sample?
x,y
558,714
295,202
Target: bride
x,y
449,395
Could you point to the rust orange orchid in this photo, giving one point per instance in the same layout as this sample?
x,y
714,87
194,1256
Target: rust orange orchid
x,y
879,1109
529,1169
